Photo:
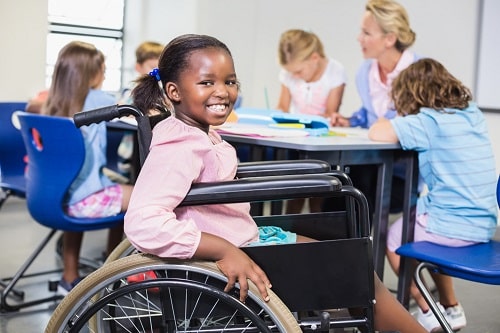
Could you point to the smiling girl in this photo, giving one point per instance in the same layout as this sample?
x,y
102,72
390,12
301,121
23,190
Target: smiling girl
x,y
196,74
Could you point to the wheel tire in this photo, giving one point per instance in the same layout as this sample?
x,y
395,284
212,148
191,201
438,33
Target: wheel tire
x,y
84,295
121,250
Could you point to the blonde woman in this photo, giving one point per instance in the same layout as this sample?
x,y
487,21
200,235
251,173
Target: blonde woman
x,y
385,39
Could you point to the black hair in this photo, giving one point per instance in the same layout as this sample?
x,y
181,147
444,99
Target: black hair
x,y
148,94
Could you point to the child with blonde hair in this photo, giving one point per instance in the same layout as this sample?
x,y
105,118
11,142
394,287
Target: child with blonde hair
x,y
311,83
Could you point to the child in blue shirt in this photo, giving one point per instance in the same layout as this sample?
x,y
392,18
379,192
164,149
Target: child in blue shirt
x,y
456,162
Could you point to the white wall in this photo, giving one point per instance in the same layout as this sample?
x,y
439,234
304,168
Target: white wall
x,y
155,20
23,36
488,70
446,30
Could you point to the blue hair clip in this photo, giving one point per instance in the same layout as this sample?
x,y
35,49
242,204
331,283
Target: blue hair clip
x,y
155,73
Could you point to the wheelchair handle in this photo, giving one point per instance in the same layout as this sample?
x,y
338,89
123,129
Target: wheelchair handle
x,y
105,114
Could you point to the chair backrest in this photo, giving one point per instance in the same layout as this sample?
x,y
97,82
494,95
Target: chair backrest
x,y
56,153
12,151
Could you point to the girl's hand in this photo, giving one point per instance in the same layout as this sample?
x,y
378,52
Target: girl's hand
x,y
238,267
336,120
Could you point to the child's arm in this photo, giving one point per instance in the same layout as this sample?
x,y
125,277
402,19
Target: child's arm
x,y
234,264
284,100
333,102
382,130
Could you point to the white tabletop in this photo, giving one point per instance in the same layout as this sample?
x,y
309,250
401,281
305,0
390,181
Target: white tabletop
x,y
340,139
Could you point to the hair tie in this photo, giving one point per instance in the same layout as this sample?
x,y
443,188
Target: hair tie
x,y
155,73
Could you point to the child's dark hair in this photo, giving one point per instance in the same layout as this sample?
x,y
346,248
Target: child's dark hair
x,y
148,94
427,83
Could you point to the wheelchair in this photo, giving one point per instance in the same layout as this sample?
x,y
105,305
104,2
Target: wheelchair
x,y
317,286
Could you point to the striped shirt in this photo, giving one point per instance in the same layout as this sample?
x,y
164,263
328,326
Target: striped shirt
x,y
456,162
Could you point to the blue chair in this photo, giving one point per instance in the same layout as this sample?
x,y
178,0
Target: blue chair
x,y
478,263
56,153
12,153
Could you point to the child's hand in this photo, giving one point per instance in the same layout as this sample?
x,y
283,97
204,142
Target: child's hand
x,y
339,121
238,267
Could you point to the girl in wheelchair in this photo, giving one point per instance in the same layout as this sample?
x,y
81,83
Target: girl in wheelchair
x,y
196,76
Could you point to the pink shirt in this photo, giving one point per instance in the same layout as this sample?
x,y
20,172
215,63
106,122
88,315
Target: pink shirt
x,y
379,91
182,155
311,97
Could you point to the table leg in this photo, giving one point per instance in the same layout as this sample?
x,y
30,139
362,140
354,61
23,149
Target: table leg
x,y
380,218
406,267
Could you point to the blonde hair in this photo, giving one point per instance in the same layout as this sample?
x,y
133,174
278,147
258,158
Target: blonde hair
x,y
393,18
427,83
148,50
77,65
298,45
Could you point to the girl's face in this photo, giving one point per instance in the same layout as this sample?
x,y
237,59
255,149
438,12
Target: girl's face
x,y
304,69
207,89
372,39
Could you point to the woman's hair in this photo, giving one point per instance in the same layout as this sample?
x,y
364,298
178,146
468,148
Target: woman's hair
x,y
426,83
78,65
148,94
148,50
393,18
298,45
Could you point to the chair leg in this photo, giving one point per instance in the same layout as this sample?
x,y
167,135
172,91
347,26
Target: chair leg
x,y
3,197
4,306
419,281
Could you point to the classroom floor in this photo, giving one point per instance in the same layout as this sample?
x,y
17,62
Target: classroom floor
x,y
19,234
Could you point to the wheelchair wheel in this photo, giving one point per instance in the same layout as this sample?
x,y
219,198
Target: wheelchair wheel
x,y
123,249
143,293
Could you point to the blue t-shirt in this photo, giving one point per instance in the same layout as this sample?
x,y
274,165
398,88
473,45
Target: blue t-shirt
x,y
91,178
456,162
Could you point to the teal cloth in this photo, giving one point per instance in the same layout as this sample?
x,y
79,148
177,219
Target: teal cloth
x,y
270,235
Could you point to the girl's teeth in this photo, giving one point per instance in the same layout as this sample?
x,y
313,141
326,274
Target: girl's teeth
x,y
217,107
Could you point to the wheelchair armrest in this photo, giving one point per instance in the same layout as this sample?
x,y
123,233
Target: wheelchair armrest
x,y
262,189
279,168
342,176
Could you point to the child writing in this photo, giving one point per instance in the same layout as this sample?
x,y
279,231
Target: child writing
x,y
196,74
76,82
438,119
311,84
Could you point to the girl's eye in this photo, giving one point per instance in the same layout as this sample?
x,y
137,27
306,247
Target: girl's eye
x,y
207,83
232,83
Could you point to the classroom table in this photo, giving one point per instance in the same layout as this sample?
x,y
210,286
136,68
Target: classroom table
x,y
344,147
